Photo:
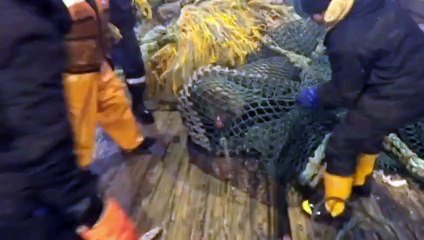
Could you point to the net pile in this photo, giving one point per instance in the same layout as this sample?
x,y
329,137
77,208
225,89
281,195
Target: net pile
x,y
250,110
206,32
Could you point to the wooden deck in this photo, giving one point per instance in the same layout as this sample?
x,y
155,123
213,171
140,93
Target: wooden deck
x,y
192,196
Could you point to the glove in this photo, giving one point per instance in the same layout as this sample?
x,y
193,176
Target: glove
x,y
145,8
308,98
113,224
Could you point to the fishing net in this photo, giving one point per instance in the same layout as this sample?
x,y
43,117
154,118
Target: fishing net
x,y
250,110
218,32
298,36
219,103
413,136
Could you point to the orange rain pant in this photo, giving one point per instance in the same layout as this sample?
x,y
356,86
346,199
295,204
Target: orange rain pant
x,y
99,98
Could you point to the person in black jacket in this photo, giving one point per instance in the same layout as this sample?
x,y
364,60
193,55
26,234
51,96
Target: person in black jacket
x,y
127,54
376,53
38,169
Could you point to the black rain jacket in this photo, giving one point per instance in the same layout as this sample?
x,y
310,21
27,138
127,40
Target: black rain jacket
x,y
377,58
37,163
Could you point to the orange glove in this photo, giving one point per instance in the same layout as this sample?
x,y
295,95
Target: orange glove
x,y
114,224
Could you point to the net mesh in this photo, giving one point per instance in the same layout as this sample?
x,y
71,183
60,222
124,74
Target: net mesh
x,y
298,36
413,136
250,110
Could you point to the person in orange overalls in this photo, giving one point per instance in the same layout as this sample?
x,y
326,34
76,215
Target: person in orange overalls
x,y
94,93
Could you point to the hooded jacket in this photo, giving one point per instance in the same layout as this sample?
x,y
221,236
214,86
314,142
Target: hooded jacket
x,y
377,58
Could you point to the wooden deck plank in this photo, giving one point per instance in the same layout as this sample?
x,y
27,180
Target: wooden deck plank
x,y
264,216
192,202
127,175
178,226
390,213
198,201
156,205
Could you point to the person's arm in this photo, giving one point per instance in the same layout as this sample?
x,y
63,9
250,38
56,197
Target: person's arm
x,y
350,71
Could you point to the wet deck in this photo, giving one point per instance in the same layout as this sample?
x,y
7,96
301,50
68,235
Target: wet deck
x,y
187,198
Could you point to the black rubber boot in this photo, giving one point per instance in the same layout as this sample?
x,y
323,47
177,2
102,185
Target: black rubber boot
x,y
148,146
138,108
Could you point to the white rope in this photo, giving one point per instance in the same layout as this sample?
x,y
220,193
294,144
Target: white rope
x,y
408,158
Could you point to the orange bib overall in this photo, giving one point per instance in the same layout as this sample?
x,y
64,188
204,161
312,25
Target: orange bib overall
x,y
94,94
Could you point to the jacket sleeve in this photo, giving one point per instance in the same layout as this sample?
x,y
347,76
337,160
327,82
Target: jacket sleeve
x,y
349,75
36,149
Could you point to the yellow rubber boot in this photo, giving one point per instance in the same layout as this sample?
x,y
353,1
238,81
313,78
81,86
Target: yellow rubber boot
x,y
364,168
337,190
362,178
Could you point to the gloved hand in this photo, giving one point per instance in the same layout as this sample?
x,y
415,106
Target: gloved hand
x,y
308,98
145,8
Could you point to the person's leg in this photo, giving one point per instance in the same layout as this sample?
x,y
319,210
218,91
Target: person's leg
x,y
114,112
116,118
355,136
126,53
81,97
365,165
353,150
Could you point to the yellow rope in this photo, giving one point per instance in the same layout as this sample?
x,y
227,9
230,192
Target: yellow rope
x,y
212,32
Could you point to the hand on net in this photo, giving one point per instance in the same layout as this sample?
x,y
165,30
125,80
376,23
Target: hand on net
x,y
308,98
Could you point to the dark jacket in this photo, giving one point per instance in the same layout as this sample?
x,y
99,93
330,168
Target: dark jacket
x,y
126,53
377,59
37,164
415,8
120,4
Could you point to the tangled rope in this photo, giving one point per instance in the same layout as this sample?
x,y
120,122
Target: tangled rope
x,y
410,160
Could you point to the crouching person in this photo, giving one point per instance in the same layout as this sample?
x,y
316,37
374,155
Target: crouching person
x,y
376,53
